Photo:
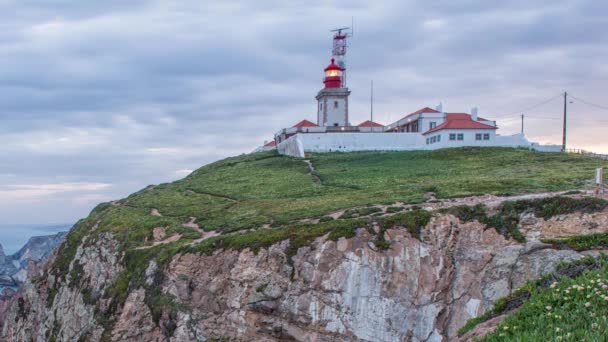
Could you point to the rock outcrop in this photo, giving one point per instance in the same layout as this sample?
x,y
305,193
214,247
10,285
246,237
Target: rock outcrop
x,y
420,289
16,269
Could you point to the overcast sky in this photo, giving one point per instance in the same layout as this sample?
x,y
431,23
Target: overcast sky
x,y
101,98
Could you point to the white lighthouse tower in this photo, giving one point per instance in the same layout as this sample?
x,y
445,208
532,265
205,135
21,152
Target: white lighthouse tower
x,y
332,100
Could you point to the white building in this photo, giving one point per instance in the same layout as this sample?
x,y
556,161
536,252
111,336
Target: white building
x,y
424,129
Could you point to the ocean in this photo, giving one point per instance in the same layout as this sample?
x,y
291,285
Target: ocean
x,y
14,236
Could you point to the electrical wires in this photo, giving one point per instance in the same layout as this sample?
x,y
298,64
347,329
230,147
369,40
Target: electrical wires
x,y
589,103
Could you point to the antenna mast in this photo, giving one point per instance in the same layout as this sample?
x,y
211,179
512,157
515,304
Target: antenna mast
x,y
339,49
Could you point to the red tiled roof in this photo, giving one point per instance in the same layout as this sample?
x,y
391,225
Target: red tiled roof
x,y
305,123
271,143
369,123
420,111
459,121
424,110
463,116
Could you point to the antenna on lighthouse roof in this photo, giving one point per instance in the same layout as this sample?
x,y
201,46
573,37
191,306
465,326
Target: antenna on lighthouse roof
x,y
339,49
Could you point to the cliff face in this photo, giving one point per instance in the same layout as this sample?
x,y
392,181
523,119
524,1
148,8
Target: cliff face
x,y
18,268
420,289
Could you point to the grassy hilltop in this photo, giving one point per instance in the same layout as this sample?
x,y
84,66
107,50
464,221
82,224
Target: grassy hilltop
x,y
266,188
276,192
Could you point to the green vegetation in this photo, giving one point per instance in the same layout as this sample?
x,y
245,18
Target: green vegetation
x,y
506,220
581,243
253,190
466,213
266,188
350,213
553,206
299,235
518,297
413,221
560,307
392,210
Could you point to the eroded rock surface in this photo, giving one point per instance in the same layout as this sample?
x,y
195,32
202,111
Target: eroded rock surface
x,y
347,290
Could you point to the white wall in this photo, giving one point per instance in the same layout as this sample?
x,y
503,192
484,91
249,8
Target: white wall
x,y
545,148
426,119
298,144
349,142
292,146
334,115
468,138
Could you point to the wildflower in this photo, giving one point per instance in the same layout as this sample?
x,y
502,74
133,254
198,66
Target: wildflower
x,y
505,327
554,285
557,329
588,296
594,326
548,307
587,304
592,281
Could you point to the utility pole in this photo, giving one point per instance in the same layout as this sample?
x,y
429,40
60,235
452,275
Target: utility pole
x,y
565,121
522,124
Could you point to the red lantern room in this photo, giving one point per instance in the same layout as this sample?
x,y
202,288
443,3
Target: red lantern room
x,y
333,75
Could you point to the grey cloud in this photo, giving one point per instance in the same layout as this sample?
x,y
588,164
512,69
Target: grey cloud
x,y
129,93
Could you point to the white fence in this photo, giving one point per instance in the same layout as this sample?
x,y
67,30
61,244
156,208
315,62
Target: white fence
x,y
587,153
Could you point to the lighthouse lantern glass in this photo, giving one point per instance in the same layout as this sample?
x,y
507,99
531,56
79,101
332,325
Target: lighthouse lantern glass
x,y
333,73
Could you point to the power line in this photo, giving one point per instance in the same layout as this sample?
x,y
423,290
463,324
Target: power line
x,y
589,103
531,107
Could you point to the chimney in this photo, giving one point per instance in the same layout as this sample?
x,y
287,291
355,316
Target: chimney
x,y
439,108
474,113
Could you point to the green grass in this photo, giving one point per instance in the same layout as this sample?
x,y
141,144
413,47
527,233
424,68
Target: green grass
x,y
350,213
569,309
581,243
506,220
413,221
299,235
251,190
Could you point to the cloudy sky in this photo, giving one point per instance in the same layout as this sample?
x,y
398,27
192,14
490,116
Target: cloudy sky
x,y
101,98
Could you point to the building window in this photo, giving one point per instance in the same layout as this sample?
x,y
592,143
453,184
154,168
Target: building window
x,y
432,125
478,136
320,106
335,104
452,136
486,136
439,138
427,141
460,136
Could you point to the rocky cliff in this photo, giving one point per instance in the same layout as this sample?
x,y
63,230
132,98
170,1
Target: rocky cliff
x,y
18,268
423,286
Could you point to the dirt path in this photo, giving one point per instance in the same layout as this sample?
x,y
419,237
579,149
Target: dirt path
x,y
170,239
204,234
491,201
312,171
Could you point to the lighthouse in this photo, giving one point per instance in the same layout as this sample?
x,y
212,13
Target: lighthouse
x,y
332,100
